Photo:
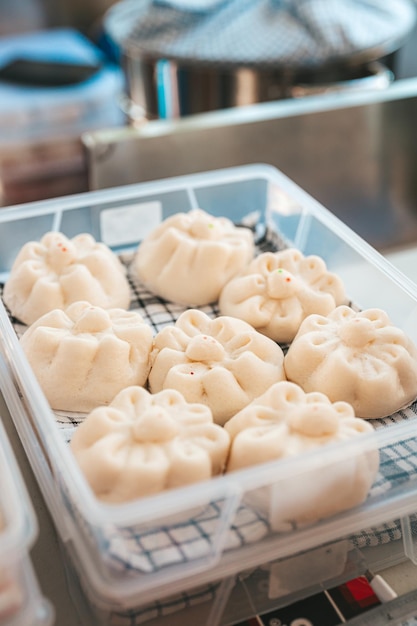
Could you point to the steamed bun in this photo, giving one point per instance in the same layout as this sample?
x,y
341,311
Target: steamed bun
x,y
83,356
360,358
223,363
142,444
189,257
279,289
286,422
53,273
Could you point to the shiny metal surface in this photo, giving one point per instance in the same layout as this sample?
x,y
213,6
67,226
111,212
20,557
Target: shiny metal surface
x,y
183,61
168,89
357,155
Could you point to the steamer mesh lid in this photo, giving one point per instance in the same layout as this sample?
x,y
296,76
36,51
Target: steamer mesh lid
x,y
295,33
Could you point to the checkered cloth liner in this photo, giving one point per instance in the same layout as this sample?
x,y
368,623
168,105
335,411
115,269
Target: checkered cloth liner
x,y
155,610
129,551
286,33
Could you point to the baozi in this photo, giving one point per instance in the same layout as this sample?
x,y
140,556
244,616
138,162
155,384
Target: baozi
x,y
142,444
280,289
358,357
189,257
57,271
286,422
222,362
83,356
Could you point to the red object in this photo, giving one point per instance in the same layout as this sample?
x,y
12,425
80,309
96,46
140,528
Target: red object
x,y
361,590
354,597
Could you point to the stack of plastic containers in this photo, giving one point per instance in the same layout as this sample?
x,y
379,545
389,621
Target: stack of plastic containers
x,y
21,601
184,550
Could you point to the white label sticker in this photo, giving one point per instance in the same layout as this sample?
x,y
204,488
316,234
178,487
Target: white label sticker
x,y
299,571
129,224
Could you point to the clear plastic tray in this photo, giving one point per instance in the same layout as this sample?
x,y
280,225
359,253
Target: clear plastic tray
x,y
146,550
21,601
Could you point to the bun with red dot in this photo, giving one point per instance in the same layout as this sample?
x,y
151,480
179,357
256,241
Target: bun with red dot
x,y
222,362
57,271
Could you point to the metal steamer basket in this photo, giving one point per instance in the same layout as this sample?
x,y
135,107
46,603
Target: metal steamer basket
x,y
182,58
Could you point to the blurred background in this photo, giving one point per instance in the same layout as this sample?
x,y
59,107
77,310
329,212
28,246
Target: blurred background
x,y
101,93
19,16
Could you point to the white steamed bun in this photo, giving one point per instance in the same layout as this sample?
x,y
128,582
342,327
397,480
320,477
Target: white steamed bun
x,y
56,271
189,257
279,289
142,444
83,356
361,358
223,362
286,422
